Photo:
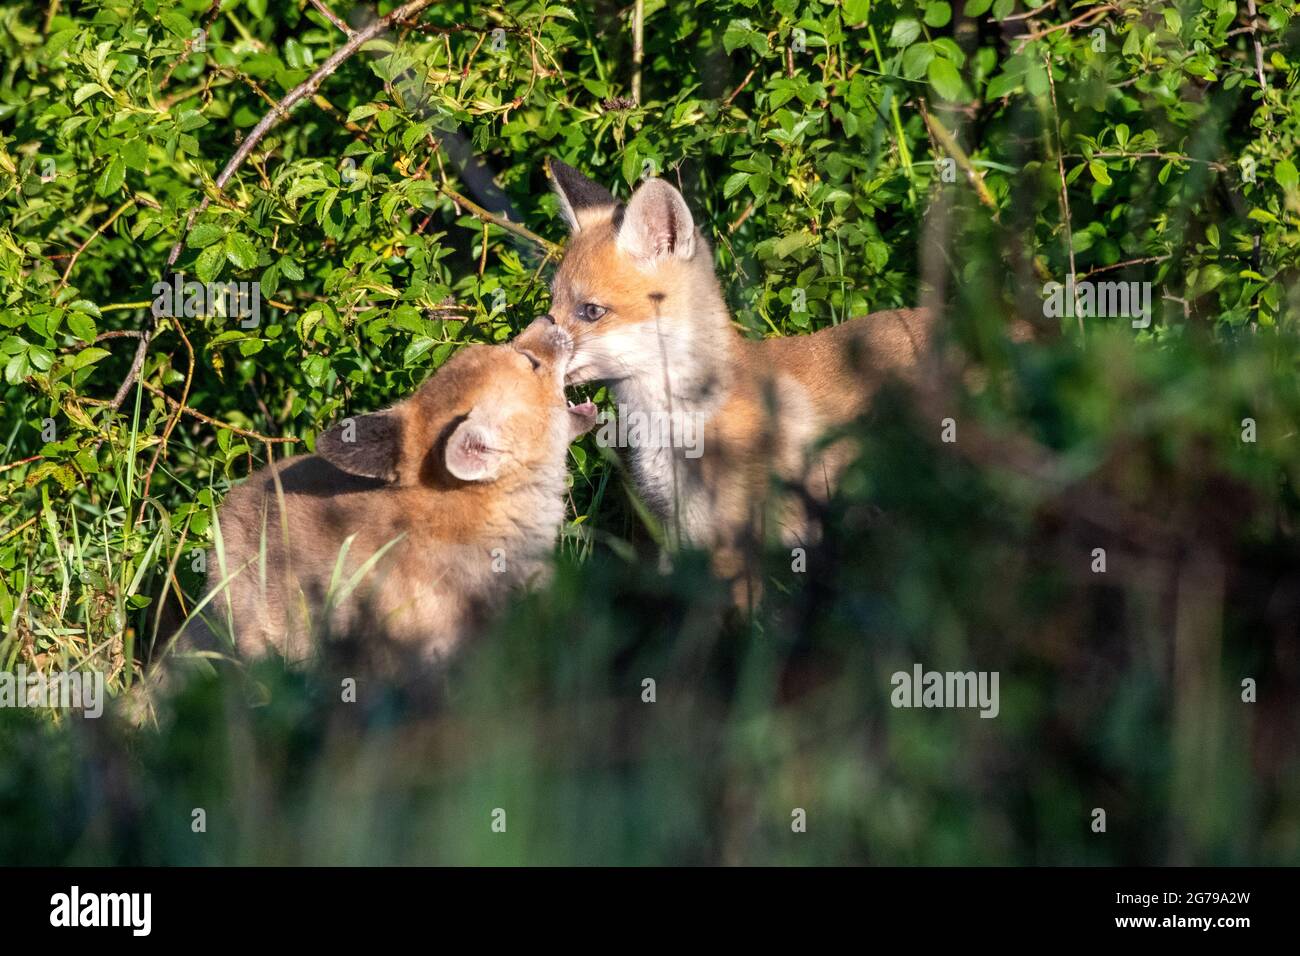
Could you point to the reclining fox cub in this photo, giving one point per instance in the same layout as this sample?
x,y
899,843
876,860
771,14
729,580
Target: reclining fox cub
x,y
410,524
637,292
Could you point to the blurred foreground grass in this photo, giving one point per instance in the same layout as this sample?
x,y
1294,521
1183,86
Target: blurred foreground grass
x,y
1119,690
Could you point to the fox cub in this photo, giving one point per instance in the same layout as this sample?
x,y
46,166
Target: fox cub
x,y
409,524
637,291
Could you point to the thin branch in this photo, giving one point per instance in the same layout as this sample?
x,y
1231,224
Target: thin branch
x,y
161,447
1027,14
1091,15
189,43
277,113
20,462
953,149
195,413
118,333
1060,168
1122,265
20,529
281,109
93,236
1151,154
743,83
1259,50
484,215
638,48
332,17
740,220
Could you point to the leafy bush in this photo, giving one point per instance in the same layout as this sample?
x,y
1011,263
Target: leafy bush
x,y
841,157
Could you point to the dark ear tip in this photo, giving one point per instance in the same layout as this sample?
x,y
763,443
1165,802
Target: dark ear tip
x,y
560,171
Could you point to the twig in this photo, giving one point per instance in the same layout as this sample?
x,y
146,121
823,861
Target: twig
x,y
743,83
1254,25
740,220
137,363
464,73
1121,265
953,149
281,109
479,212
195,413
277,113
189,44
1259,50
171,422
20,529
1152,154
1094,13
20,462
332,17
638,48
118,333
1036,12
93,236
1060,168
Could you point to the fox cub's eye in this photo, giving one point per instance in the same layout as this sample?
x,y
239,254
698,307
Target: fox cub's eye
x,y
591,311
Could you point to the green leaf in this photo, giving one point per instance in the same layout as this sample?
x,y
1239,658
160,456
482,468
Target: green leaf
x,y
938,13
89,357
204,235
945,79
1004,84
1286,174
856,11
177,23
240,251
209,263
916,58
1099,171
905,32
111,179
316,368
82,326
85,92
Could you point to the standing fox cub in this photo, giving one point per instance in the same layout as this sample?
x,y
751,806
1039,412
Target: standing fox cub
x,y
637,291
412,523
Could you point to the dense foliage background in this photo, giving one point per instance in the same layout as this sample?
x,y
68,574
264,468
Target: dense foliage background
x,y
842,157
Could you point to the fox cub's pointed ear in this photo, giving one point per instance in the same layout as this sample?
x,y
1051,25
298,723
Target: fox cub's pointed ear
x,y
581,200
365,445
657,223
471,452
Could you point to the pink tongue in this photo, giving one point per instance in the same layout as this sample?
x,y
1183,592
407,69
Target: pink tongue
x,y
586,408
